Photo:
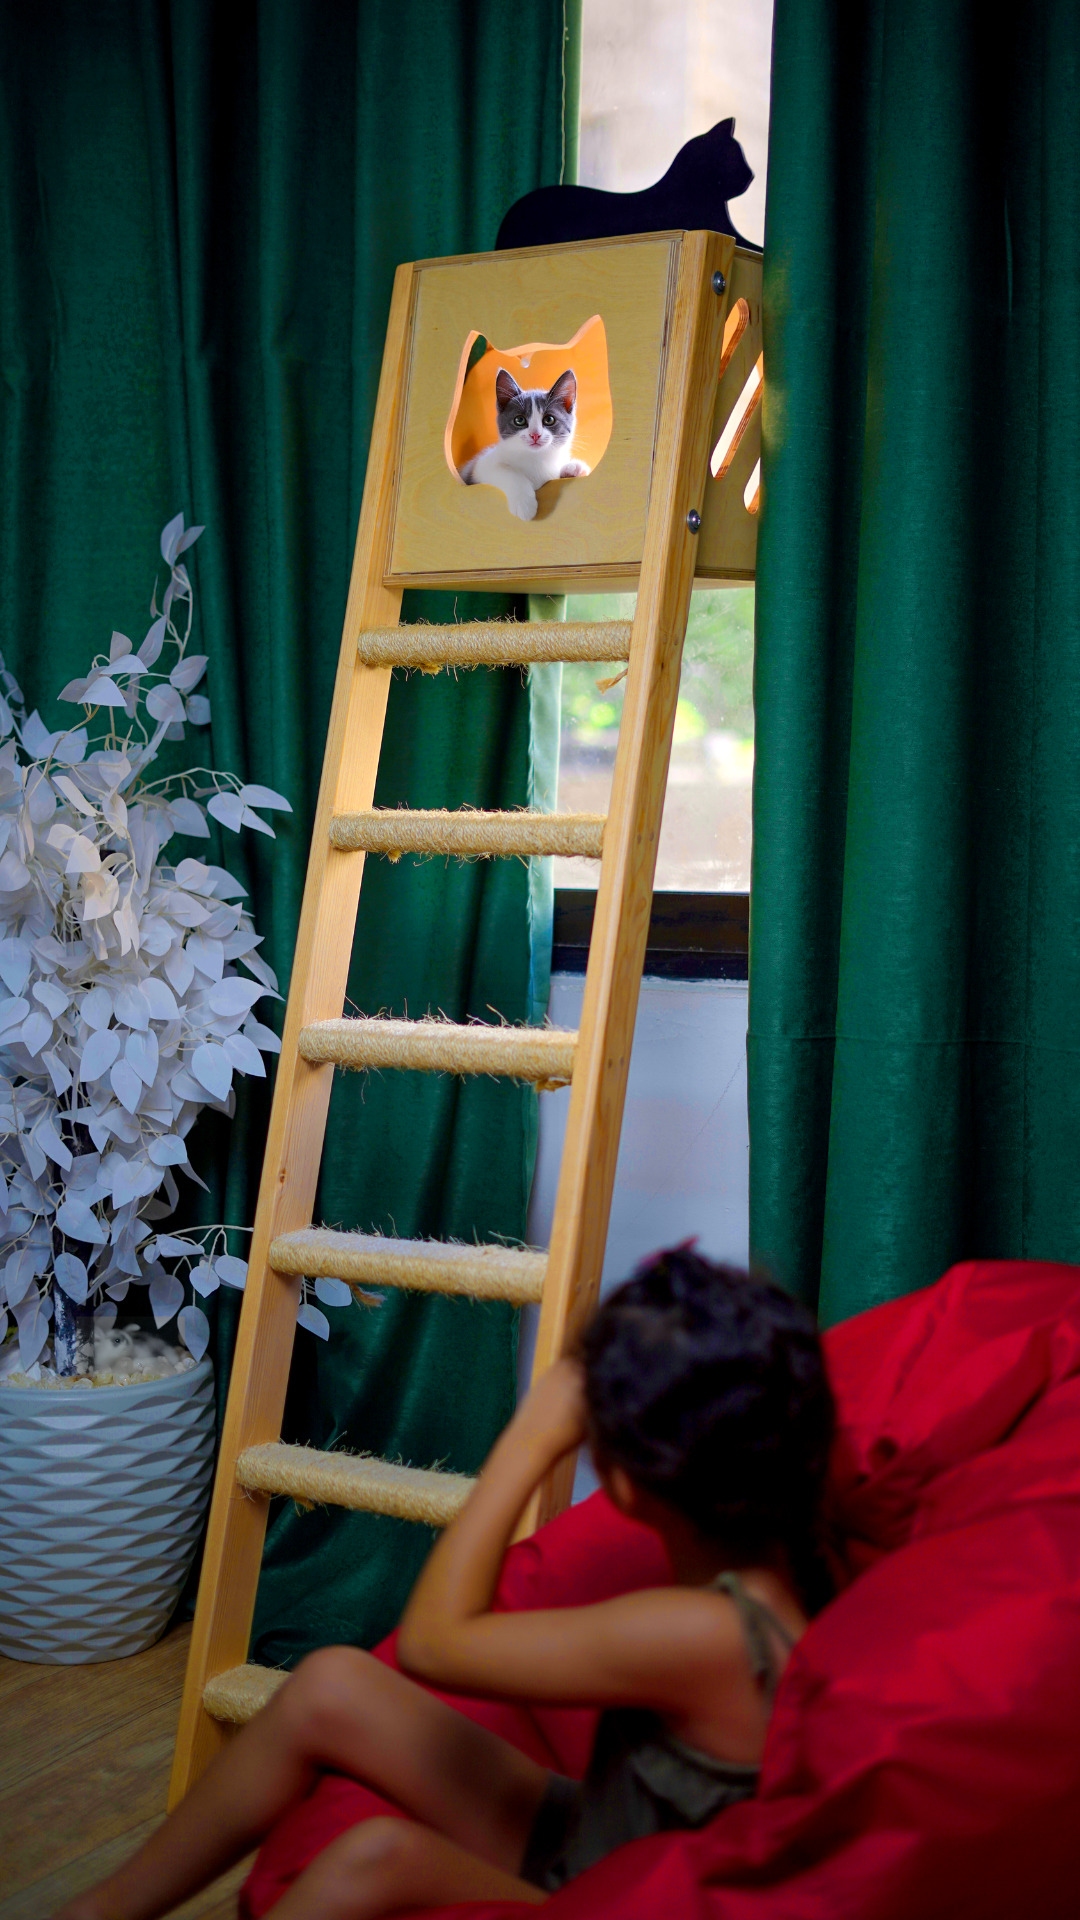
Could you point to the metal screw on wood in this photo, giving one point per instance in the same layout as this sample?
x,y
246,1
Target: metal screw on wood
x,y
693,520
718,282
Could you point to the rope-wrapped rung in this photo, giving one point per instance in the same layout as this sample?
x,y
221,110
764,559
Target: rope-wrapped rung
x,y
494,643
363,1484
420,1266
542,1054
469,834
237,1695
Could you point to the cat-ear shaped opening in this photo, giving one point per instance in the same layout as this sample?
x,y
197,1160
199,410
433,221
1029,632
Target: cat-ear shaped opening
x,y
564,392
506,387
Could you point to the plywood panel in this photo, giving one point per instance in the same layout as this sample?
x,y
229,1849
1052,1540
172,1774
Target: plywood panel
x,y
540,296
727,544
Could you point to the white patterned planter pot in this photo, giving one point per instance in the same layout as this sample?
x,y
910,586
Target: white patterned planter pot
x,y
104,1491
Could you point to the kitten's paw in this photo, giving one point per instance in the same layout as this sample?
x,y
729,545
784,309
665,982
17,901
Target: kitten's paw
x,y
574,470
522,503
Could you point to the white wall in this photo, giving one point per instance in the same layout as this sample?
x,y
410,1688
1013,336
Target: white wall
x,y
683,1156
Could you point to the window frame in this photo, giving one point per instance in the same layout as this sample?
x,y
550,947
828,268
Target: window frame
x,y
692,936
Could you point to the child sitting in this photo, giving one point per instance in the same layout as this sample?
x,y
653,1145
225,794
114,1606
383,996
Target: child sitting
x,y
703,1397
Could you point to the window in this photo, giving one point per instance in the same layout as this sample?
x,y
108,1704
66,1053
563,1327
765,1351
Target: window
x,y
654,73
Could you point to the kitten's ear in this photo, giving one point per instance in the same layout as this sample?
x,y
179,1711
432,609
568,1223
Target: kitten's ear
x,y
505,387
565,390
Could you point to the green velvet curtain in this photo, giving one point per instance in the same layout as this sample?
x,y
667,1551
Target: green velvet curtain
x,y
201,209
915,956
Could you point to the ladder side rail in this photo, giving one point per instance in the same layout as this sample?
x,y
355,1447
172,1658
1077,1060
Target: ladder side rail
x,y
631,835
301,1098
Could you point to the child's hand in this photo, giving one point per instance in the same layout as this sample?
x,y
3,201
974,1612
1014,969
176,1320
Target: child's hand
x,y
555,1407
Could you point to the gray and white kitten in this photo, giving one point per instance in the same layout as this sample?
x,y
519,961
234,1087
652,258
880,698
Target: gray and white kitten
x,y
536,434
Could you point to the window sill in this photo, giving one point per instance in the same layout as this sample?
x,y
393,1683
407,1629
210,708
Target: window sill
x,y
692,936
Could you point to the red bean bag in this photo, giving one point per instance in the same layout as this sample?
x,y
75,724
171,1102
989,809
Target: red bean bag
x,y
923,1758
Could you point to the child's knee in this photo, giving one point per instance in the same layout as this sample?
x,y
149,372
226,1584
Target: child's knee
x,y
383,1846
315,1694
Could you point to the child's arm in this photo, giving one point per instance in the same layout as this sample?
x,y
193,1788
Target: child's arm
x,y
643,1647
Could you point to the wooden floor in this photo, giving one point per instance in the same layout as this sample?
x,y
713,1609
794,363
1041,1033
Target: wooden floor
x,y
85,1754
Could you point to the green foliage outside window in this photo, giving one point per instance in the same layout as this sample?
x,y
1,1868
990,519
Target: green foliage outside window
x,y
716,693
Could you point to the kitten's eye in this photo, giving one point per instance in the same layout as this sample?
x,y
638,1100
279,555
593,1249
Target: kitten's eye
x,y
549,419
519,419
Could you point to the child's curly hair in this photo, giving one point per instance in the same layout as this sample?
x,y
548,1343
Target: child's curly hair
x,y
708,1387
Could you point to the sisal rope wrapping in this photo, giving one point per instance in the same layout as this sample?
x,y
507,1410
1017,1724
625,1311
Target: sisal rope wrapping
x,y
469,834
494,643
239,1694
541,1054
421,1266
359,1482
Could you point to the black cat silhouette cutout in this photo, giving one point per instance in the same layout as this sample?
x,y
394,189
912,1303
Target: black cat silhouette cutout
x,y
705,174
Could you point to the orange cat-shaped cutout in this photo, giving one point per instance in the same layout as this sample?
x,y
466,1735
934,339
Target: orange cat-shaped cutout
x,y
526,415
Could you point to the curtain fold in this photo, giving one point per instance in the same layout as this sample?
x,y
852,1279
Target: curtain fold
x,y
201,211
915,963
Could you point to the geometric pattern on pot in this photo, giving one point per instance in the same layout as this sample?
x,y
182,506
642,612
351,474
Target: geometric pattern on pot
x,y
104,1494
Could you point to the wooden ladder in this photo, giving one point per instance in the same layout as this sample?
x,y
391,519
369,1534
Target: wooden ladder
x,y
640,521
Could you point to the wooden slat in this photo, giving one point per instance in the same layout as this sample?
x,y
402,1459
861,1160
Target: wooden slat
x,y
624,895
469,833
541,1054
301,1093
494,643
423,1266
362,1484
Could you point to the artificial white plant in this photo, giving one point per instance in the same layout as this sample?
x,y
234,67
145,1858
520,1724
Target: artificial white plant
x,y
125,1012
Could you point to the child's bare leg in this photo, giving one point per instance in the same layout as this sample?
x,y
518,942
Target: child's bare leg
x,y
383,1865
345,1712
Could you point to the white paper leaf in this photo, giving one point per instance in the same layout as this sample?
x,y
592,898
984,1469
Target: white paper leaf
x,y
47,1135
194,874
207,956
133,1008
164,703
188,672
187,817
128,663
228,887
95,1008
72,1276
188,539
12,1013
315,1322
57,1071
263,797
264,1037
204,1279
244,1055
98,1055
73,691
126,1085
33,1333
255,964
194,1330
52,998
211,1066
20,1272
228,808
152,645
83,856
75,1218
198,710
13,875
159,999
170,539
166,1294
141,1054
231,1270
234,996
180,969
37,740
249,819
70,749
15,960
168,1151
333,1293
104,1317
118,646
102,692
171,1246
